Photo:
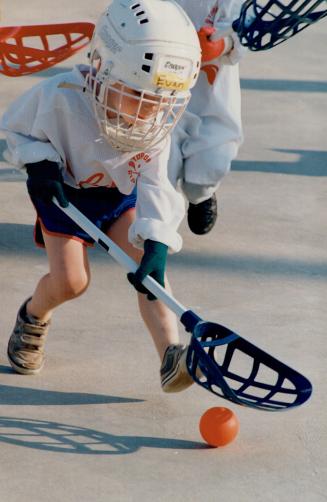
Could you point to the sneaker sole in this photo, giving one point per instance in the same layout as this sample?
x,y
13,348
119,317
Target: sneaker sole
x,y
183,382
23,371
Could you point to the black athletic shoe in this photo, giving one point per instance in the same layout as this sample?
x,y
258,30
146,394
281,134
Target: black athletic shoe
x,y
202,217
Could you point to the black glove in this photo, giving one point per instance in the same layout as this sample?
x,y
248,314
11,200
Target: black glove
x,y
45,181
153,263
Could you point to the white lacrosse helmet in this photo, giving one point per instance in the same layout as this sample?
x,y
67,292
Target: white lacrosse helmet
x,y
145,57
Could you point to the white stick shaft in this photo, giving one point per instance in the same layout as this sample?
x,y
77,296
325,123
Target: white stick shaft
x,y
121,257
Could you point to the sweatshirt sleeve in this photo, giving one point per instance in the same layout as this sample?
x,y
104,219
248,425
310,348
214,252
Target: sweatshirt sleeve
x,y
159,207
21,124
224,13
227,12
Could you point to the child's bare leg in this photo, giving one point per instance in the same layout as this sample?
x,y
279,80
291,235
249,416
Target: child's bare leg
x,y
160,321
68,276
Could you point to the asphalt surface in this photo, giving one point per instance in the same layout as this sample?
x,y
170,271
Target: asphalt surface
x,y
95,426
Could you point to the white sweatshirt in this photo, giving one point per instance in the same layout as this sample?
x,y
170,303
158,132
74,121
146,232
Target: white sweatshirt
x,y
58,124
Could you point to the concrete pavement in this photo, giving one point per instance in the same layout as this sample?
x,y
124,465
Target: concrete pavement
x,y
95,426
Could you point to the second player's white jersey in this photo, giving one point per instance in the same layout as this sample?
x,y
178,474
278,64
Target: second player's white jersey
x,y
211,127
217,91
219,12
58,124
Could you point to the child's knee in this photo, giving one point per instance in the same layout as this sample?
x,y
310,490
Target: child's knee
x,y
69,287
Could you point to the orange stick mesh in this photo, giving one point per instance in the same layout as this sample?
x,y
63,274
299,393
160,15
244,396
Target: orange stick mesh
x,y
30,49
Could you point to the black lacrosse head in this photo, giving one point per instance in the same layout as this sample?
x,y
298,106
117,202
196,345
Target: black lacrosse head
x,y
264,24
231,367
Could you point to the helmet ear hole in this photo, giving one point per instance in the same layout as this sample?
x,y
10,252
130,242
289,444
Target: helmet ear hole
x,y
95,60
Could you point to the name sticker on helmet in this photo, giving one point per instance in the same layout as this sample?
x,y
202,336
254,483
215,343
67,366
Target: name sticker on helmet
x,y
173,73
169,82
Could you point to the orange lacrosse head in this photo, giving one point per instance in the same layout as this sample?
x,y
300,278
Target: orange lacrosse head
x,y
30,49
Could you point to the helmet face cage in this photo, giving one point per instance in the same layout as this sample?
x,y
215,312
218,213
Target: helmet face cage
x,y
133,119
142,69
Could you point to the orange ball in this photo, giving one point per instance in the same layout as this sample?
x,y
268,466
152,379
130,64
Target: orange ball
x,y
219,426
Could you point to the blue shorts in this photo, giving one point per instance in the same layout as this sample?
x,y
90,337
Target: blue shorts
x,y
101,205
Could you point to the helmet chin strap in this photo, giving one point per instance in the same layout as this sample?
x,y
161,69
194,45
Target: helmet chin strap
x,y
69,85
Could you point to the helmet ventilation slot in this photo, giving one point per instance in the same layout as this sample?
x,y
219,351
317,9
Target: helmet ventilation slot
x,y
137,7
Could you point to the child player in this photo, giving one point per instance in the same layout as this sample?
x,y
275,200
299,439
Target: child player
x,y
99,136
209,134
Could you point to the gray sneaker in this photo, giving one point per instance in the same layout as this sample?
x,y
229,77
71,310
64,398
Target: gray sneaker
x,y
173,372
26,344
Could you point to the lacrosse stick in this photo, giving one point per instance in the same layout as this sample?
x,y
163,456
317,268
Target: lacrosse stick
x,y
263,24
18,52
228,365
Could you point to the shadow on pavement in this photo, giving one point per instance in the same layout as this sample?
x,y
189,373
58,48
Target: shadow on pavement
x,y
17,240
310,163
23,396
279,85
11,174
235,264
3,144
63,438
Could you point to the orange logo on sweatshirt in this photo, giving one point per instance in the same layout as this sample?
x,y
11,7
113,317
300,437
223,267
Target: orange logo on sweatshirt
x,y
135,165
95,180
